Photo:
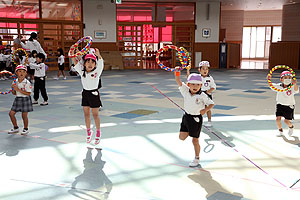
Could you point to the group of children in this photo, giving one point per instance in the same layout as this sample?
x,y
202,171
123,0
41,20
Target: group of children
x,y
197,95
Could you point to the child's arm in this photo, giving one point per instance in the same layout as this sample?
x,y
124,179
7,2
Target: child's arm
x,y
177,77
206,109
75,60
97,53
34,65
15,88
296,88
188,72
210,90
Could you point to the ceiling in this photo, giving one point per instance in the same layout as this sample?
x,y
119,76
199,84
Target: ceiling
x,y
237,4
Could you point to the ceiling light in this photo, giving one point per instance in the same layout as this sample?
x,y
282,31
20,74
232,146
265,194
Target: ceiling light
x,y
62,4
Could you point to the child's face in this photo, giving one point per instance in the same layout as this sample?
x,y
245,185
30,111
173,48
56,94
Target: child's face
x,y
34,55
204,71
21,73
38,59
89,65
194,88
286,80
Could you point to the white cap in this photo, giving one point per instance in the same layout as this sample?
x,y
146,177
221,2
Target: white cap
x,y
204,63
194,78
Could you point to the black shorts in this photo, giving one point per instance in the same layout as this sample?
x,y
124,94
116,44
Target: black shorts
x,y
209,95
2,65
191,124
91,98
285,111
61,67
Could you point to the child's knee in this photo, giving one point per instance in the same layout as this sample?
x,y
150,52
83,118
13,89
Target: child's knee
x,y
11,113
195,141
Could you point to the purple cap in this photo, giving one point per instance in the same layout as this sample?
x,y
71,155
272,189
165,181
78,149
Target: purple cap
x,y
194,78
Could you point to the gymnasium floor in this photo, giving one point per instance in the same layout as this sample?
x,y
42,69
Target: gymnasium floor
x,y
142,157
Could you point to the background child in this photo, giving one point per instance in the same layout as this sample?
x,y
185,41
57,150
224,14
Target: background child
x,y
196,104
61,64
39,79
31,59
90,72
22,102
208,84
285,101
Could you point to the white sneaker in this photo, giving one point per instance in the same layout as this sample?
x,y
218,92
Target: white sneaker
x,y
35,102
65,78
280,133
25,132
55,78
45,103
209,124
194,163
13,130
291,131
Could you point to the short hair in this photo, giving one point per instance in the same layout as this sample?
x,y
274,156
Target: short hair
x,y
41,56
33,35
61,51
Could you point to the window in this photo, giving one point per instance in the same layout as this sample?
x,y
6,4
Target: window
x,y
19,9
62,10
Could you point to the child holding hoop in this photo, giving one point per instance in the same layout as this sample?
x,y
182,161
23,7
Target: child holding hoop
x,y
285,101
196,104
22,102
208,85
90,72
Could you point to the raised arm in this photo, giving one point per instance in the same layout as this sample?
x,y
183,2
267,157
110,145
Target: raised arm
x,y
296,88
177,76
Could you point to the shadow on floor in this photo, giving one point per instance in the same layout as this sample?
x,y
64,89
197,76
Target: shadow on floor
x,y
92,183
214,190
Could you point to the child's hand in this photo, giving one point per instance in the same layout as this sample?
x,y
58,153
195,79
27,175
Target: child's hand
x,y
15,87
203,111
294,81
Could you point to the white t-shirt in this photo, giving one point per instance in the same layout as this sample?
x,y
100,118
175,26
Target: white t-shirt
x,y
285,98
91,79
61,59
40,69
194,103
208,83
25,85
33,45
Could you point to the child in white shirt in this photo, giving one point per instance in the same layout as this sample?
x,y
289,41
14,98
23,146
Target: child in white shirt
x,y
196,104
22,102
39,79
285,101
208,84
61,64
90,72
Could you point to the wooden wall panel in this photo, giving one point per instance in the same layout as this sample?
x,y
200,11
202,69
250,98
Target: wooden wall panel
x,y
210,52
285,53
291,22
105,46
234,56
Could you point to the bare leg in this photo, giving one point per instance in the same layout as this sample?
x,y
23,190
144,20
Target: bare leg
x,y
288,122
278,122
13,118
87,116
58,73
196,147
183,135
25,119
63,73
96,117
208,113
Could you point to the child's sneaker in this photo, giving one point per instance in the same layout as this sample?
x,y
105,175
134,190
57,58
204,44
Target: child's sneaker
x,y
89,136
25,132
291,131
280,133
55,78
65,78
13,130
45,103
35,102
194,163
97,138
209,124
